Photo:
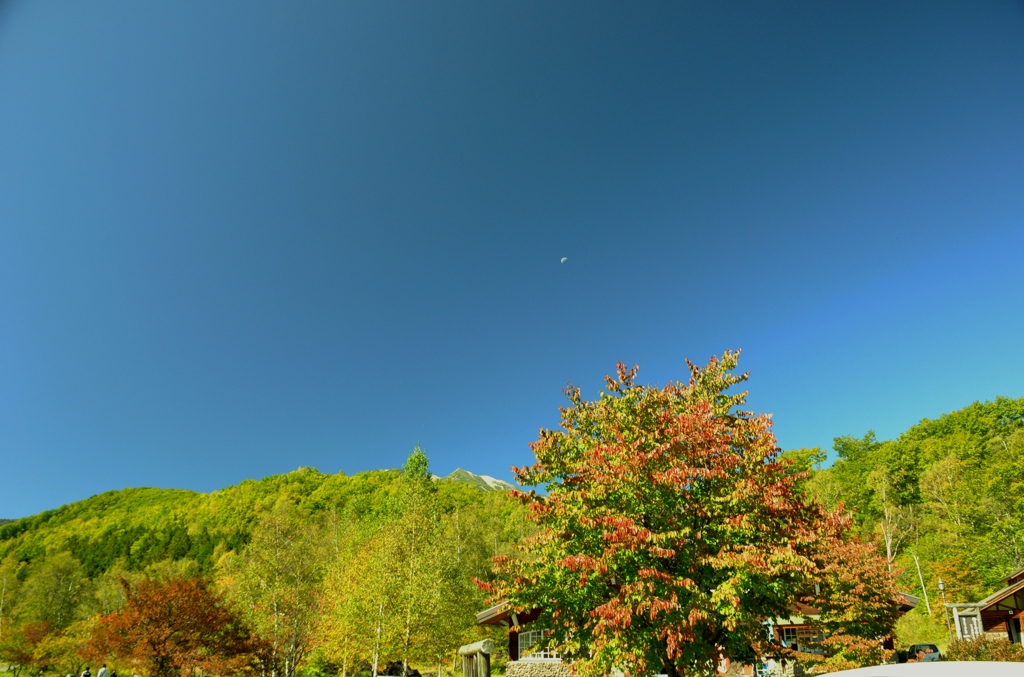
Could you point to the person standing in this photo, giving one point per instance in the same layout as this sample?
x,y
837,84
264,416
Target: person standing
x,y
86,673
103,671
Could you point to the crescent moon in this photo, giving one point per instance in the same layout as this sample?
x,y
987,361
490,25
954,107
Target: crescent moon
x,y
564,259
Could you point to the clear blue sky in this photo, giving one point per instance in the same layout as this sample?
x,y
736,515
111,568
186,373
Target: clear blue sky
x,y
238,238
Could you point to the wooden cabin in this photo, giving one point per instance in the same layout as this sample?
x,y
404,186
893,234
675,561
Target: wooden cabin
x,y
997,616
528,658
798,631
526,654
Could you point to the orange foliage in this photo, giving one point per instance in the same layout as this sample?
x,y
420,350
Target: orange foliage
x,y
173,628
18,648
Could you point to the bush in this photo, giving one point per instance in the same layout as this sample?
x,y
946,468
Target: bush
x,y
845,652
917,627
984,649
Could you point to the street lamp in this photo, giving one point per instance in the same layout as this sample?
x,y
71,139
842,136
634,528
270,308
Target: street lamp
x,y
942,591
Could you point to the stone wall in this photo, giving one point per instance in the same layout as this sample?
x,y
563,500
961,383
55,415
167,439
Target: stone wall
x,y
530,668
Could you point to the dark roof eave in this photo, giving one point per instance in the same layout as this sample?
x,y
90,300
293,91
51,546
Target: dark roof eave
x,y
494,615
908,601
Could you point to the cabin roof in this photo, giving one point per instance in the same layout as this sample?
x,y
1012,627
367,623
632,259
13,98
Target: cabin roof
x,y
494,615
1012,590
908,601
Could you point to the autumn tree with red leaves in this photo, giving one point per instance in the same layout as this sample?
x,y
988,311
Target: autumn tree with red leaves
x,y
854,594
172,628
670,533
18,648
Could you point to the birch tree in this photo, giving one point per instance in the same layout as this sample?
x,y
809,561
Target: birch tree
x,y
10,587
950,497
893,524
402,591
345,626
56,591
278,580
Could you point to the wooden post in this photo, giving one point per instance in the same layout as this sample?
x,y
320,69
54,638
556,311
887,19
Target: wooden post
x,y
476,658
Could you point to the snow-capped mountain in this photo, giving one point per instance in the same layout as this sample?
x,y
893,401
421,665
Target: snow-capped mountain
x,y
485,482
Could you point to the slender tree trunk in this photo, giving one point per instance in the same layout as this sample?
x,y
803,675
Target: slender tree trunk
x,y
405,656
669,667
277,635
337,537
376,645
3,594
887,537
923,589
409,603
411,595
458,540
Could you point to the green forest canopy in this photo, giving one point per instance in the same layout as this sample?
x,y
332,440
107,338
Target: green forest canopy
x,y
381,563
137,528
947,490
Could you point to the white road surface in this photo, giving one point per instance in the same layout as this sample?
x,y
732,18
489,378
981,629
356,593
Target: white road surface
x,y
938,669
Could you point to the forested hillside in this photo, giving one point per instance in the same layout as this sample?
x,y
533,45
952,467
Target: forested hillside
x,y
947,494
332,571
137,528
324,570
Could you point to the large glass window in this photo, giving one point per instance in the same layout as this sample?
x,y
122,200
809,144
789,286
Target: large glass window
x,y
531,646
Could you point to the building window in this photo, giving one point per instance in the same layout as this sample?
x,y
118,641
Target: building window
x,y
531,646
802,638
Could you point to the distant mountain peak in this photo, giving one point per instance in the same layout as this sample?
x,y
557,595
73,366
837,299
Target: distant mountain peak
x,y
484,482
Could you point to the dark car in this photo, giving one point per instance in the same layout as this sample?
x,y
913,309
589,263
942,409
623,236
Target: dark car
x,y
923,653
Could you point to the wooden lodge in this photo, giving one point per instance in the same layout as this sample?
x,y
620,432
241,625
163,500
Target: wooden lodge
x,y
526,654
997,616
798,632
528,657
521,642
